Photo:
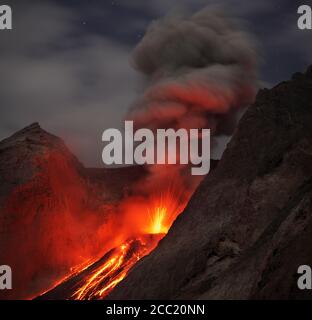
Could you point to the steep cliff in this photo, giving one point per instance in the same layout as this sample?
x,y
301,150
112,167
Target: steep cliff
x,y
249,225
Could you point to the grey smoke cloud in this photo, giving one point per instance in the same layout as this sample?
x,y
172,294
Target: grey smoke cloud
x,y
199,70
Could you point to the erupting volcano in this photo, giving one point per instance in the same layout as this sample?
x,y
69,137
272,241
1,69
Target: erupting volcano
x,y
96,279
91,226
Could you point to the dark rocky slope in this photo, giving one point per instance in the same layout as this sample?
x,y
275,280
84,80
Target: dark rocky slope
x,y
54,213
249,225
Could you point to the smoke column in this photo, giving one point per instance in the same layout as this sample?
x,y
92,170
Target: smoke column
x,y
199,71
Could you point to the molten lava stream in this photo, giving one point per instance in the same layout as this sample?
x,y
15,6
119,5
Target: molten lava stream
x,y
110,273
121,259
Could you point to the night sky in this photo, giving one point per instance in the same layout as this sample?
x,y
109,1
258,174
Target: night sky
x,y
66,63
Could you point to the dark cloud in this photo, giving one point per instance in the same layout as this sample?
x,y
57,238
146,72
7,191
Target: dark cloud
x,y
74,83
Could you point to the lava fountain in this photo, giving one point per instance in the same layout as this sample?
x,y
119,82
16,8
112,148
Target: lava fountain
x,y
96,279
121,259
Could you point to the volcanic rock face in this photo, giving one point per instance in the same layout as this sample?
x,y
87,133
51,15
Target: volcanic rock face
x,y
17,155
54,213
249,225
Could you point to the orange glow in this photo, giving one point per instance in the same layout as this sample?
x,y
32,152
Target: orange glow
x,y
57,223
133,231
156,219
162,212
105,277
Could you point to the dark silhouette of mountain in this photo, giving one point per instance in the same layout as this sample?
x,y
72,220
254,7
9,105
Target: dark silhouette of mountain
x,y
248,226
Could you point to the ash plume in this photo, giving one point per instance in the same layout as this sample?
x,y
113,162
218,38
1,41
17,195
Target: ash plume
x,y
200,70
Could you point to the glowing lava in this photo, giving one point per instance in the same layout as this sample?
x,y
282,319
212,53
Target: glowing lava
x,y
157,219
105,277
149,221
108,273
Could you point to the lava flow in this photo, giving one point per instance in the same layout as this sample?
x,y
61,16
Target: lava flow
x,y
96,279
108,274
121,259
